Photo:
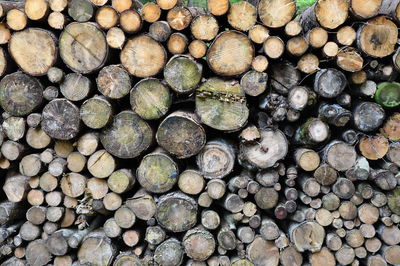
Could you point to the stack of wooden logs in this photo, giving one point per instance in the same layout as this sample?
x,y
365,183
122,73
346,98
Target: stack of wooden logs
x,y
162,134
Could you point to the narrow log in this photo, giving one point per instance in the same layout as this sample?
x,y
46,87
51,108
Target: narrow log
x,y
143,205
130,21
82,10
191,182
368,116
113,81
169,252
242,16
262,252
177,43
88,253
151,12
218,7
37,253
121,181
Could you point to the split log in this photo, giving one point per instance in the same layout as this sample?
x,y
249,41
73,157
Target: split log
x,y
226,99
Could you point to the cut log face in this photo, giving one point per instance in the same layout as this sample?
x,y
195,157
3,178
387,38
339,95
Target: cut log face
x,y
157,173
128,136
378,37
143,57
20,94
83,47
114,82
182,74
242,16
272,147
24,47
204,27
331,13
308,236
189,136
276,13
150,99
221,104
176,212
219,55
60,119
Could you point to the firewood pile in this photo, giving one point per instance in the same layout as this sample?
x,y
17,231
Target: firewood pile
x,y
163,134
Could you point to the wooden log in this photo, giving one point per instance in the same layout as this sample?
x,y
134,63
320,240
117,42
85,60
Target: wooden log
x,y
293,28
39,63
150,89
368,116
111,228
359,9
121,181
324,256
297,46
225,96
160,31
312,132
284,76
177,43
82,10
83,55
191,182
14,128
322,12
113,81
312,243
16,187
226,43
254,83
197,49
218,8
242,16
187,130
60,119
308,63
182,74
127,258
169,252
106,17
56,20
374,45
350,60
143,57
37,253
137,135
345,255
122,5
157,172
151,12
130,21
88,253
16,19
273,47
29,231
75,87
307,159
115,38
216,159
330,49
198,244
143,205
76,162
329,83
271,148
266,198
180,17
73,184
276,13
173,218
204,27
262,252
101,164
20,94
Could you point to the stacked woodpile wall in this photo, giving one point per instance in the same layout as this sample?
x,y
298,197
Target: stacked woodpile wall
x,y
162,134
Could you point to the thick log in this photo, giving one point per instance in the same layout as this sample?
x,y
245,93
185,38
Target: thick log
x,y
130,21
157,172
143,57
225,44
96,248
127,136
176,212
83,47
114,82
276,13
368,116
198,244
36,9
312,243
216,159
262,252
